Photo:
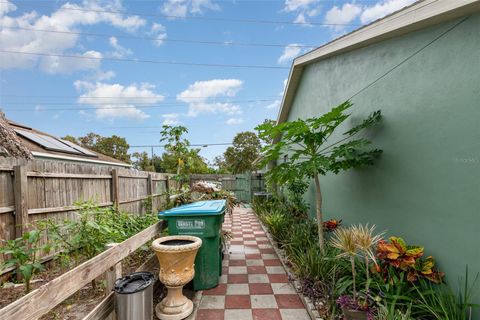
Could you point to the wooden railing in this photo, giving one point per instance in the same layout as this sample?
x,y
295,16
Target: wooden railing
x,y
40,301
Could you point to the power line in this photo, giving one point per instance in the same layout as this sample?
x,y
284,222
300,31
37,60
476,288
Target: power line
x,y
206,42
109,97
254,21
191,145
217,65
441,35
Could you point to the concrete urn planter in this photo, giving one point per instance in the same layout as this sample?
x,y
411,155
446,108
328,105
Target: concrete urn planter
x,y
176,257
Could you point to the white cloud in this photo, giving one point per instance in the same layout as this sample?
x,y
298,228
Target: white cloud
x,y
170,119
274,105
119,51
294,5
57,43
102,75
342,15
201,94
159,32
383,8
289,52
303,8
6,7
117,101
54,65
234,121
182,8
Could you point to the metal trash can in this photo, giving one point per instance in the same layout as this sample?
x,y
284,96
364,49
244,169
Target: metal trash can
x,y
201,219
134,296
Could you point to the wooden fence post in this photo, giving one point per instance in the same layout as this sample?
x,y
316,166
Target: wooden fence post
x,y
167,189
21,200
150,191
111,275
115,188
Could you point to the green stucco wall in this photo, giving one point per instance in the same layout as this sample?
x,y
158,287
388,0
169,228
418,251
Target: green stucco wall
x,y
426,186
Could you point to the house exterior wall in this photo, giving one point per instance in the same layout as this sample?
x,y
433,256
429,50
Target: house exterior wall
x,y
426,186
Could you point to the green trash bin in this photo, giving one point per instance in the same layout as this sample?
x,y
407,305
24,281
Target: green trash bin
x,y
202,219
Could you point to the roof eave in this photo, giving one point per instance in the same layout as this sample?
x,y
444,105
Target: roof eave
x,y
415,17
43,155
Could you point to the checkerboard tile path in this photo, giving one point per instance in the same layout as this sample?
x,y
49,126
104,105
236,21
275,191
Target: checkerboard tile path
x,y
254,284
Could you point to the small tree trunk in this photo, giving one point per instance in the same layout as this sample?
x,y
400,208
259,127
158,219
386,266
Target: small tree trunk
x,y
318,198
354,274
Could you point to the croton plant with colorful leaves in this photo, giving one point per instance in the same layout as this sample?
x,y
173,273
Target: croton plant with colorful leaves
x,y
396,253
331,225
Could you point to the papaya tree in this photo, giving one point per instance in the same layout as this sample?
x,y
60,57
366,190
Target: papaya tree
x,y
309,151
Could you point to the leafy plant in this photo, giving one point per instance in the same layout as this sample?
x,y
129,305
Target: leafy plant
x,y
22,253
295,190
178,148
366,240
94,228
307,154
385,312
278,223
441,302
344,240
398,254
331,225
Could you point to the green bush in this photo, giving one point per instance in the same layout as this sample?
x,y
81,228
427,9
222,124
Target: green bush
x,y
279,224
94,228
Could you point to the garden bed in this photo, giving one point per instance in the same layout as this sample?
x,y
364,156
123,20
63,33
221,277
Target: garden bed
x,y
392,280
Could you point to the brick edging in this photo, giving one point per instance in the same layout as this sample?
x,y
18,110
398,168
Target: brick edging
x,y
307,302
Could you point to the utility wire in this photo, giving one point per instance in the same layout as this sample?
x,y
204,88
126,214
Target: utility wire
x,y
206,42
108,97
217,65
441,35
159,15
191,145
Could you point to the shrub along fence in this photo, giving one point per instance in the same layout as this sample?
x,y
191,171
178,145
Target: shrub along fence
x,y
36,190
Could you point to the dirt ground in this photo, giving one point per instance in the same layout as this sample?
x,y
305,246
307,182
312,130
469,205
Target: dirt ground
x,y
83,301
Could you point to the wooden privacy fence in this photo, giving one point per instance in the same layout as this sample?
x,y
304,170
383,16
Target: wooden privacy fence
x,y
36,189
40,301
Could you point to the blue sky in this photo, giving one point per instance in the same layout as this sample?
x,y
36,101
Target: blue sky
x,y
105,94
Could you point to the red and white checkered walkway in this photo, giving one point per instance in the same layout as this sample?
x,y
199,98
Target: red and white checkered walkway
x,y
254,284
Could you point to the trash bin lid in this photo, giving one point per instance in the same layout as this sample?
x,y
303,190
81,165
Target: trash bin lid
x,y
209,207
134,282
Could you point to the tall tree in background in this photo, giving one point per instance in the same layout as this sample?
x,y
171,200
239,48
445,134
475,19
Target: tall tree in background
x,y
220,164
114,146
176,146
240,156
193,163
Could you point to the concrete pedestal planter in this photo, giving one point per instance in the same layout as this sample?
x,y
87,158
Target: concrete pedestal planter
x,y
354,314
176,257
